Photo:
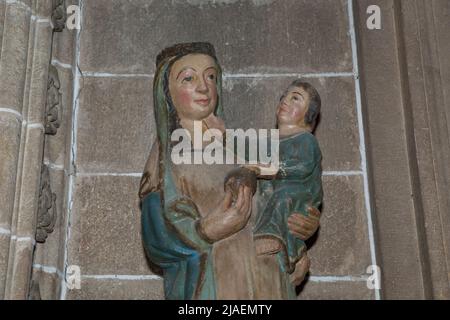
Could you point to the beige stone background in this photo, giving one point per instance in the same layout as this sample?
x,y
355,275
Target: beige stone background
x,y
384,166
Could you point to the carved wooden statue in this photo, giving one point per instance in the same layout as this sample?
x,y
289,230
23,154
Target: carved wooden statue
x,y
194,231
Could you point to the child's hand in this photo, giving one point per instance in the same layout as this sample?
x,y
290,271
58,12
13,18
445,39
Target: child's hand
x,y
263,170
213,122
303,227
253,168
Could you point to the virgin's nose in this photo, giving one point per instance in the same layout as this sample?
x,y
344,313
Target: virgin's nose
x,y
202,87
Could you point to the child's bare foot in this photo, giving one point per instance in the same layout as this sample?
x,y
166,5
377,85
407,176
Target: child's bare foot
x,y
301,269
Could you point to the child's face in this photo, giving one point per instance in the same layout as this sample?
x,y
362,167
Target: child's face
x,y
293,107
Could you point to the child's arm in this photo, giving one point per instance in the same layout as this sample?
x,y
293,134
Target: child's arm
x,y
299,167
296,169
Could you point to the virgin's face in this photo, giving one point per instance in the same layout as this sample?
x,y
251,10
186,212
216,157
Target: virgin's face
x,y
193,86
293,107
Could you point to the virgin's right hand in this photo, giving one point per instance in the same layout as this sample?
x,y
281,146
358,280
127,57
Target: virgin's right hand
x,y
239,213
229,218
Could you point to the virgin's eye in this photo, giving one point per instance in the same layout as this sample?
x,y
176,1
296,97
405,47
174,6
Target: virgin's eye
x,y
295,98
188,79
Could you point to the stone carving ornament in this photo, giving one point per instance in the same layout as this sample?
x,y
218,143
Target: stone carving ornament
x,y
54,102
59,15
46,217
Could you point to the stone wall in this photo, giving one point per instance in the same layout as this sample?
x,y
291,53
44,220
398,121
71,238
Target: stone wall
x,y
262,46
49,258
385,155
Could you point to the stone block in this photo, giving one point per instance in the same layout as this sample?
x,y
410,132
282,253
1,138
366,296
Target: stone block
x,y
63,46
434,225
19,272
397,213
339,290
2,20
442,14
43,8
49,284
251,103
10,131
30,173
427,116
64,42
115,125
106,228
27,4
341,246
51,253
250,36
4,253
37,92
99,289
16,32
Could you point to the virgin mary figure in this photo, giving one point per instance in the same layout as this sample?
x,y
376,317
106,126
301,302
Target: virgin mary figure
x,y
193,231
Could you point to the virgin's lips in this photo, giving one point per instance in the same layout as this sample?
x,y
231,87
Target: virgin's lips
x,y
203,102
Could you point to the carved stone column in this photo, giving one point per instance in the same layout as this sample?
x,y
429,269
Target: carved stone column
x,y
406,82
25,58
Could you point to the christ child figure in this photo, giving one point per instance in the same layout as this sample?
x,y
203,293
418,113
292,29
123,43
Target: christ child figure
x,y
297,185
